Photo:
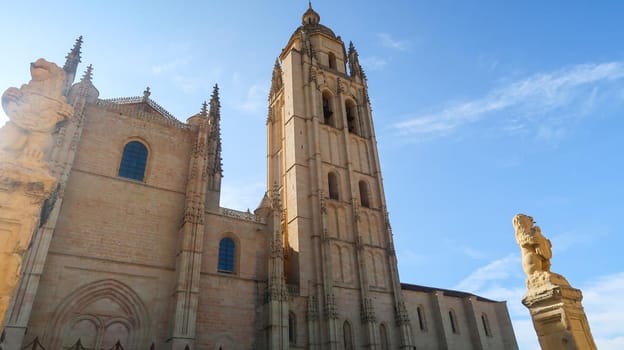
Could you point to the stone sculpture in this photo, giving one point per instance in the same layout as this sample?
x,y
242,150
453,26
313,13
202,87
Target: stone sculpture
x,y
556,309
536,254
34,111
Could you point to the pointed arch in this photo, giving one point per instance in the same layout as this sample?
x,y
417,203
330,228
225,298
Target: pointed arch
x,y
328,108
383,337
486,325
453,321
333,186
292,328
364,194
422,321
353,120
130,320
347,335
331,60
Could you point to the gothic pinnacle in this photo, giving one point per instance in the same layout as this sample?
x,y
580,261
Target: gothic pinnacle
x,y
352,47
215,104
204,109
73,57
88,74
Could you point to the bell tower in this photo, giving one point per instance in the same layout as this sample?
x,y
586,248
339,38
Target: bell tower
x,y
323,163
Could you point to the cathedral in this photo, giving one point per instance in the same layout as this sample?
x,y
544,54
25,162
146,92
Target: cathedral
x,y
134,251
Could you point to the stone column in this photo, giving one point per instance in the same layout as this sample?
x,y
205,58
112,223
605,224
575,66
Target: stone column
x,y
559,318
556,309
34,111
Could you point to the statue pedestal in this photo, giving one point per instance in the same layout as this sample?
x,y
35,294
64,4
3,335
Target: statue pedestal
x,y
22,192
558,315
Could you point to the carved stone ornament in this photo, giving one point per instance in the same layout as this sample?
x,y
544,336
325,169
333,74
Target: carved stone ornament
x,y
401,317
339,86
34,110
322,201
312,313
367,313
556,309
536,254
356,209
331,311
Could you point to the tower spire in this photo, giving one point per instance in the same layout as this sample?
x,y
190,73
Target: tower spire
x,y
204,110
71,64
215,104
73,57
215,119
88,74
355,69
276,79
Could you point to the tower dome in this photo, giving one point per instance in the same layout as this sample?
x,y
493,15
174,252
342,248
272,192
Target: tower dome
x,y
310,16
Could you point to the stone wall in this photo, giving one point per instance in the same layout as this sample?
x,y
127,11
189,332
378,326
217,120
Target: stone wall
x,y
113,248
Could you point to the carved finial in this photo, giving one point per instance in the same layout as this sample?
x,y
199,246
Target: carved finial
x,y
310,16
215,104
215,115
71,65
73,57
88,74
276,78
146,94
204,109
275,200
355,69
214,97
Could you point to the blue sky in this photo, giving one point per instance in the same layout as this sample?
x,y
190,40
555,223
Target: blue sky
x,y
482,109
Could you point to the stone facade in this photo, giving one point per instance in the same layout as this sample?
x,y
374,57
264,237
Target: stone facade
x,y
146,262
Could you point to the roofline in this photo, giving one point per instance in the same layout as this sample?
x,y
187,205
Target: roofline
x,y
446,292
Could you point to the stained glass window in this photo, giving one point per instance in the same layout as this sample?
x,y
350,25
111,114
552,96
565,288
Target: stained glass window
x,y
133,161
226,255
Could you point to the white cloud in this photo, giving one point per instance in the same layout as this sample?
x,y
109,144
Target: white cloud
x,y
534,96
242,196
499,280
187,84
602,299
170,66
473,253
496,270
373,63
255,99
388,41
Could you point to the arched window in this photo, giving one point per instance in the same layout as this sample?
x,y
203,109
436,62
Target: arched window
x,y
328,113
226,255
383,335
133,161
332,182
453,319
352,117
347,336
421,318
331,60
364,200
292,328
486,325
